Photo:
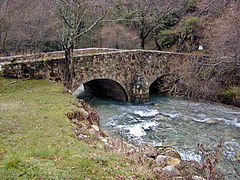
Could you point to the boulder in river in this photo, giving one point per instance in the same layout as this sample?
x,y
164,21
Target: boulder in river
x,y
187,119
162,117
157,105
211,121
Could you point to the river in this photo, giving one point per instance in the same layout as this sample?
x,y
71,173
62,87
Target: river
x,y
178,123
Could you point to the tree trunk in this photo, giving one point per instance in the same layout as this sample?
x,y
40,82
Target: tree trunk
x,y
69,68
158,45
142,43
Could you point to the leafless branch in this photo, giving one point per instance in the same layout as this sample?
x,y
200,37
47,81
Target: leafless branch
x,y
92,26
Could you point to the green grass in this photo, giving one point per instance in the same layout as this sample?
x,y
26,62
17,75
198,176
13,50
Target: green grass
x,y
37,141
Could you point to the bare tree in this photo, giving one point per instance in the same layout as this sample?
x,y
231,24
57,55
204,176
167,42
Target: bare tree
x,y
39,27
35,24
74,14
223,40
147,18
144,15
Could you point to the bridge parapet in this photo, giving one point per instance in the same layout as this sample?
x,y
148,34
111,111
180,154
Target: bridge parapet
x,y
56,54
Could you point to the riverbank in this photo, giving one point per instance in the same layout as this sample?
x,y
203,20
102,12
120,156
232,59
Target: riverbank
x,y
164,162
37,140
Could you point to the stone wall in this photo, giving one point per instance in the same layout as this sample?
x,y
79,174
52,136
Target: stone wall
x,y
43,69
134,70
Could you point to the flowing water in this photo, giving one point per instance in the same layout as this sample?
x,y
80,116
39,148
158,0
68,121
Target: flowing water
x,y
178,123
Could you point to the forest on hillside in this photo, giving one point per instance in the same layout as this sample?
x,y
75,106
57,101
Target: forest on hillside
x,y
29,26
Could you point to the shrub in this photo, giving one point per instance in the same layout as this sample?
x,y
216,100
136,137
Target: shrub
x,y
171,18
191,24
167,38
189,36
231,96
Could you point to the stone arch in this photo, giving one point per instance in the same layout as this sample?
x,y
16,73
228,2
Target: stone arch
x,y
157,84
106,88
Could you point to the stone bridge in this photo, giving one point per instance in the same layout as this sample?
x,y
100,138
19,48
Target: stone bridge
x,y
125,75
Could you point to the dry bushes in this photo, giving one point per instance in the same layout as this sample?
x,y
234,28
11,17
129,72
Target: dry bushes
x,y
118,36
207,79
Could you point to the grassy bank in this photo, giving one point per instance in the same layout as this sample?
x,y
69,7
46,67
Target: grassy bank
x,y
37,140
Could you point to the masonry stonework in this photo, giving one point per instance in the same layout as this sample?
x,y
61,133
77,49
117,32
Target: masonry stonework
x,y
134,70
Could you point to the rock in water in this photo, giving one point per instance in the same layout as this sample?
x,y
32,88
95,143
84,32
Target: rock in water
x,y
187,119
157,105
162,117
137,130
211,121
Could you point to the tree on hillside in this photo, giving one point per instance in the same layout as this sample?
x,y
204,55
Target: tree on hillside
x,y
144,15
35,24
224,43
38,28
74,15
